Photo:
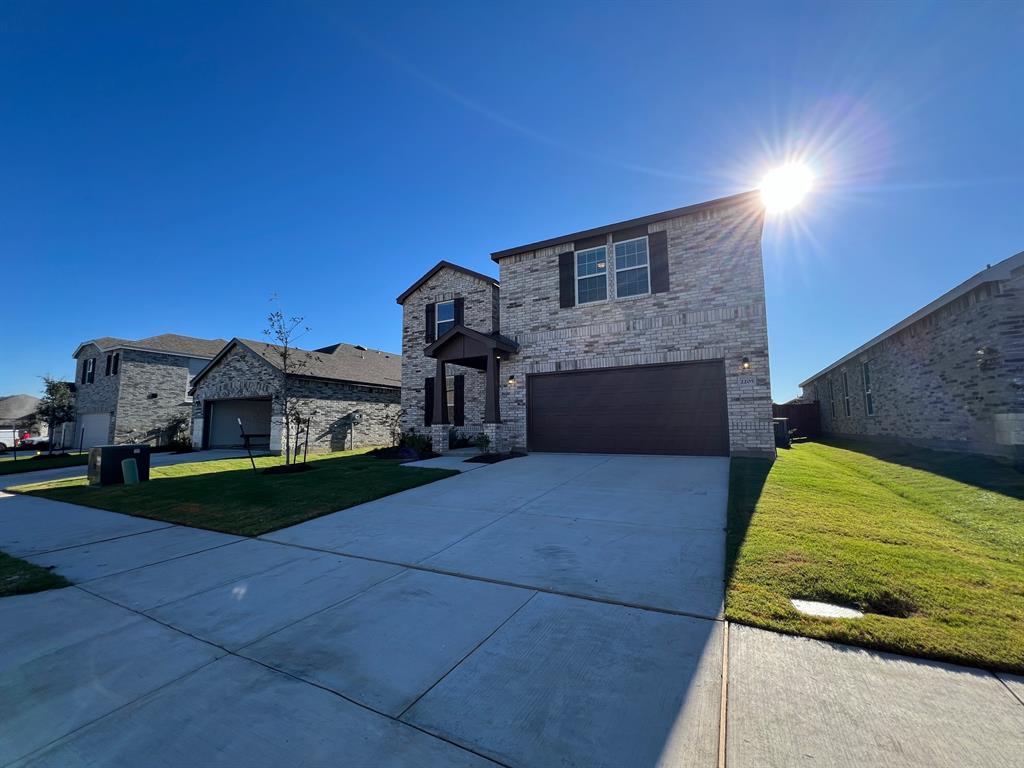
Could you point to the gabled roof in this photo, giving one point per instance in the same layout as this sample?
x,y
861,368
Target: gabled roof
x,y
488,340
15,407
742,197
991,274
168,343
337,362
437,268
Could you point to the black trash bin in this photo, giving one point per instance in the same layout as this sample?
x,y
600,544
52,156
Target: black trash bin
x,y
105,463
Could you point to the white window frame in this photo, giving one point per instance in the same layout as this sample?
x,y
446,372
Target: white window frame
x,y
846,394
578,276
646,265
865,380
438,320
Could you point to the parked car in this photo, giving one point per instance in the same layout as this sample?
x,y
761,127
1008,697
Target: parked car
x,y
36,443
10,438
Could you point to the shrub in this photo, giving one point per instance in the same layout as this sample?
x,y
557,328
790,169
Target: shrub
x,y
416,441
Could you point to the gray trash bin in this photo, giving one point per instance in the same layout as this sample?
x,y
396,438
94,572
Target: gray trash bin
x,y
105,463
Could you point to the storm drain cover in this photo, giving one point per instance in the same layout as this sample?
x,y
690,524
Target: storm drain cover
x,y
826,610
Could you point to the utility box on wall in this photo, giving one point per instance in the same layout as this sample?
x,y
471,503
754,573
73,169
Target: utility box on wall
x,y
105,463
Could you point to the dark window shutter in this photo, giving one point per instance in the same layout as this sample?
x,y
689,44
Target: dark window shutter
x,y
460,311
431,326
657,245
117,362
566,280
459,417
110,359
85,371
428,401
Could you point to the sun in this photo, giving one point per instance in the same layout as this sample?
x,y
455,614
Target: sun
x,y
785,187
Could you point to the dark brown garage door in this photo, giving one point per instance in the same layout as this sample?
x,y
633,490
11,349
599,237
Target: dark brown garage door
x,y
676,409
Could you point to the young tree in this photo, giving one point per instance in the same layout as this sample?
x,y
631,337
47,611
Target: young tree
x,y
56,406
283,333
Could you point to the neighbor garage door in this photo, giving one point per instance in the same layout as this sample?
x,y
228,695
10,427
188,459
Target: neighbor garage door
x,y
224,416
674,409
93,429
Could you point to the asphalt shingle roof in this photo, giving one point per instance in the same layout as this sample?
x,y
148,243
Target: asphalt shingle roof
x,y
165,342
338,362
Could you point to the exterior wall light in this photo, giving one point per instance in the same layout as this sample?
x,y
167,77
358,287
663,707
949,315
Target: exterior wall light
x,y
512,379
745,364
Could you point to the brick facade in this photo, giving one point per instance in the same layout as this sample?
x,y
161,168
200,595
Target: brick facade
x,y
714,310
149,389
930,386
343,415
481,313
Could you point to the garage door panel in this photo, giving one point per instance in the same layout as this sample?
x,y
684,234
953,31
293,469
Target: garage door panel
x,y
93,429
671,409
224,415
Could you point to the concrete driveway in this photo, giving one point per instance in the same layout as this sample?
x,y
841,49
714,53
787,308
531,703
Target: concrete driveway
x,y
552,610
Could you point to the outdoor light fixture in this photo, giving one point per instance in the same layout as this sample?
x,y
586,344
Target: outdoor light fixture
x,y
512,379
745,364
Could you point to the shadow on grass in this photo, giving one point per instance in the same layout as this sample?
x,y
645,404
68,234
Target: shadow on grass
x,y
747,478
997,476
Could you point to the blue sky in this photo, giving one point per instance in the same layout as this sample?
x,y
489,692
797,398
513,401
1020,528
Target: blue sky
x,y
170,166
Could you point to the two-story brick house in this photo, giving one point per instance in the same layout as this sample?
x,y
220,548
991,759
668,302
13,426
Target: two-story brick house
x,y
644,336
128,391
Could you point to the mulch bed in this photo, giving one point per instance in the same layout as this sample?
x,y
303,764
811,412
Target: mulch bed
x,y
287,469
404,453
494,458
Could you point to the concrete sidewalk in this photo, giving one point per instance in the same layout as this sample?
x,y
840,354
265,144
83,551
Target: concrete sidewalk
x,y
155,460
342,642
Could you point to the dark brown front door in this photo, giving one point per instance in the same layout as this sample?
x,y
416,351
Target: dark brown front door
x,y
671,409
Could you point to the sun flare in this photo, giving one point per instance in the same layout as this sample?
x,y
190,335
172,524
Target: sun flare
x,y
785,187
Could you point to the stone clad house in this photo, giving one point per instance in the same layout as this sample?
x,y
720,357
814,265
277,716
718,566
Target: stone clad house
x,y
128,391
352,396
949,376
645,336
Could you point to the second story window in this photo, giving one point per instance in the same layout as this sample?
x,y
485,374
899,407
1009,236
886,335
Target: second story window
x,y
631,275
117,363
591,275
846,394
89,371
445,318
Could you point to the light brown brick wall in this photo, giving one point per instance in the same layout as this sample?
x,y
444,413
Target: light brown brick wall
x,y
481,314
928,384
714,309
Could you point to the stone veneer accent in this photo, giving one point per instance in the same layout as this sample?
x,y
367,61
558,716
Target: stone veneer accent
x,y
149,390
481,314
928,385
242,373
714,309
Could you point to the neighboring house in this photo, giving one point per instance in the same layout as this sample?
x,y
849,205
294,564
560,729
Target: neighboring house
x,y
128,391
950,376
645,336
351,394
18,412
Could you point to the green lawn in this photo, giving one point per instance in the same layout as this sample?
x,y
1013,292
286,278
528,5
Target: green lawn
x,y
228,496
31,463
929,545
19,578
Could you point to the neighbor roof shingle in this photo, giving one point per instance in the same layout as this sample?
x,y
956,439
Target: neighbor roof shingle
x,y
164,342
338,362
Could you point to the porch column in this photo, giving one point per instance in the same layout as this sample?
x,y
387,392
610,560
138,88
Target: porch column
x,y
492,408
440,395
